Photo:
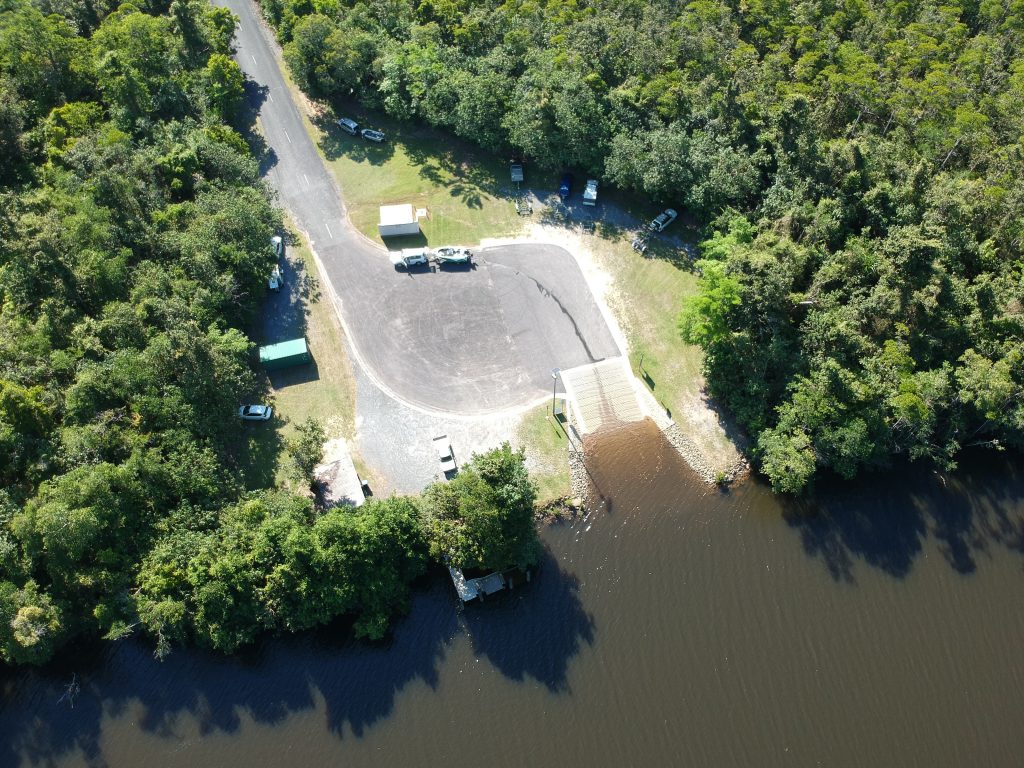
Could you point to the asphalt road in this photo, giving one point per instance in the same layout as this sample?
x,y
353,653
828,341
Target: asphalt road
x,y
470,341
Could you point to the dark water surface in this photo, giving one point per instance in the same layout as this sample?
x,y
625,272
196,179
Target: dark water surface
x,y
878,624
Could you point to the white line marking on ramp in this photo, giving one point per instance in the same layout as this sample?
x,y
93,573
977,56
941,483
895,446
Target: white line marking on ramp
x,y
329,230
253,58
288,137
306,178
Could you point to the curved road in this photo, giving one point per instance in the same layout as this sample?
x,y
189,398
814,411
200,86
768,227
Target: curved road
x,y
456,340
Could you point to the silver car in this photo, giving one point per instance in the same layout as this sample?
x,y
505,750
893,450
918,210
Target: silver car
x,y
348,126
256,412
662,220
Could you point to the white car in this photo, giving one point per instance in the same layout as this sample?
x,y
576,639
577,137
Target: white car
x,y
256,412
275,279
277,243
662,220
443,446
371,135
409,258
453,254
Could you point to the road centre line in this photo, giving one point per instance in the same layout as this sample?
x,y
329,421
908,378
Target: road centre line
x,y
288,137
329,233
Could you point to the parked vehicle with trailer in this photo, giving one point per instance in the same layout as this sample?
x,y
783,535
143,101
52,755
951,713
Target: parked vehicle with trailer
x,y
453,254
408,258
349,126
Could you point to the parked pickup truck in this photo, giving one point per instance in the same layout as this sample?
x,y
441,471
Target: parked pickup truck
x,y
443,446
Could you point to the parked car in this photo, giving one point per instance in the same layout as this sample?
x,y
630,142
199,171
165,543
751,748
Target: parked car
x,y
453,254
275,280
590,192
256,412
409,258
565,188
372,135
348,126
662,220
516,171
443,446
277,243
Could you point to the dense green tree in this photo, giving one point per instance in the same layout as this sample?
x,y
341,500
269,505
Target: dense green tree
x,y
483,517
306,449
225,86
267,565
30,624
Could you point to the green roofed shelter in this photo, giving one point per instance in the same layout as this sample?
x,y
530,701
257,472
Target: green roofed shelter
x,y
284,354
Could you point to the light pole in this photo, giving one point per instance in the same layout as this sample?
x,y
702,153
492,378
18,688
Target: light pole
x,y
554,383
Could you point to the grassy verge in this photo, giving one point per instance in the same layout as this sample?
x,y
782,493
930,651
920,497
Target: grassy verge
x,y
547,453
648,295
323,389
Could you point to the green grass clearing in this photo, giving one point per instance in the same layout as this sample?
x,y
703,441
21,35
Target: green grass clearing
x,y
466,192
547,453
647,297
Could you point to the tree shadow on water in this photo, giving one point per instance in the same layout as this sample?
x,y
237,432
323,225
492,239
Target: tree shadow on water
x,y
535,630
97,692
356,681
885,519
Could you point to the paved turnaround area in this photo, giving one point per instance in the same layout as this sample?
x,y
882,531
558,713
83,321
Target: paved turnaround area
x,y
469,341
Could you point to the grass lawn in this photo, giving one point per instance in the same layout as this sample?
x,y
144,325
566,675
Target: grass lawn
x,y
547,453
647,297
467,193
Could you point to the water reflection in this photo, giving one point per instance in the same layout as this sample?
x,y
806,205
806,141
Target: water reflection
x,y
883,520
531,633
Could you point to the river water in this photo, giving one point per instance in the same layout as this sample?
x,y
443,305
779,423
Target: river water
x,y
878,623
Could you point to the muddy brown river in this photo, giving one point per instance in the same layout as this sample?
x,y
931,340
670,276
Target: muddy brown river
x,y
878,623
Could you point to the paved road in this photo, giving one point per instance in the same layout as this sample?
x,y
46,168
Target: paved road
x,y
470,341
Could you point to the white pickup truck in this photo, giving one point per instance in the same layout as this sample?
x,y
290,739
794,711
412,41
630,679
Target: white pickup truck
x,y
443,446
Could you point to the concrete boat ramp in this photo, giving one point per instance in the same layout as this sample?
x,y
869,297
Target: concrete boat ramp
x,y
601,395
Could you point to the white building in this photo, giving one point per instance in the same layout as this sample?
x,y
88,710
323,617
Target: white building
x,y
398,220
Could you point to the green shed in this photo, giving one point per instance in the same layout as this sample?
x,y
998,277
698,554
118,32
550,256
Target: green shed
x,y
284,355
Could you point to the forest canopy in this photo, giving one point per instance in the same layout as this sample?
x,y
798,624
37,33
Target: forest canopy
x,y
136,244
858,165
